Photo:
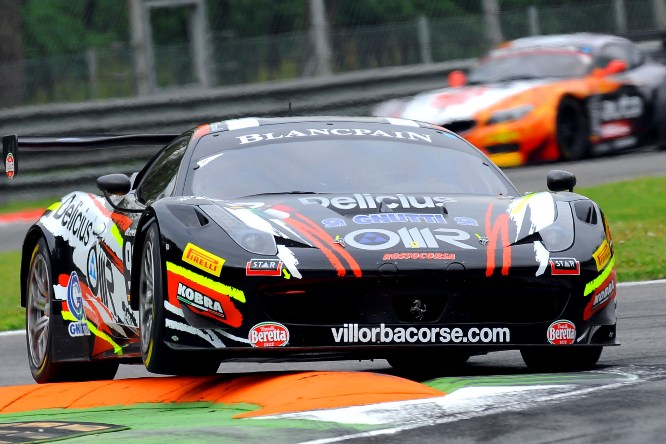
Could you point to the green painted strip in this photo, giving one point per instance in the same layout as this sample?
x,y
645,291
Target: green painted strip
x,y
596,283
195,422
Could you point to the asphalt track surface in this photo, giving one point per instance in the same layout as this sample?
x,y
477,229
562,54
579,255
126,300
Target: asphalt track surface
x,y
494,398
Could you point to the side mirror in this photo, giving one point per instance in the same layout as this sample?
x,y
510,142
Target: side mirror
x,y
114,184
457,78
615,66
560,180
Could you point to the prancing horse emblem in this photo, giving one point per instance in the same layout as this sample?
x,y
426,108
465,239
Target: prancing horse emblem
x,y
418,309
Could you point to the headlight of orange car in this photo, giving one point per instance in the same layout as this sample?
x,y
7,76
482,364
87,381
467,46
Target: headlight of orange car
x,y
508,115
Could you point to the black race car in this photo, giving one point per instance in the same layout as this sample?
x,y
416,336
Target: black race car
x,y
314,238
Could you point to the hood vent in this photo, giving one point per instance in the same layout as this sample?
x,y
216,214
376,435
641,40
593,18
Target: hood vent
x,y
189,216
586,211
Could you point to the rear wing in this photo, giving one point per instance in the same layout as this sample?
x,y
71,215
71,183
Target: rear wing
x,y
12,143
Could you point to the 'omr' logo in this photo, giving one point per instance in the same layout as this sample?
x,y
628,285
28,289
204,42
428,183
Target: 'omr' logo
x,y
562,332
203,260
268,334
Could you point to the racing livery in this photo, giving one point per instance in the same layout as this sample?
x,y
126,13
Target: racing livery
x,y
551,97
315,238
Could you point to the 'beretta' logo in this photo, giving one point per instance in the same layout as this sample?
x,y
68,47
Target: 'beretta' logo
x,y
202,259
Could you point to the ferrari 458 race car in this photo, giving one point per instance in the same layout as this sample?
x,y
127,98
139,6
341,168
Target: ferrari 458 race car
x,y
315,238
550,97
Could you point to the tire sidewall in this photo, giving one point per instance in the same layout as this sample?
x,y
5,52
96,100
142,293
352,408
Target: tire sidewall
x,y
153,355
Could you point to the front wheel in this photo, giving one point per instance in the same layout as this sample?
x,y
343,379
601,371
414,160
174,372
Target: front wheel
x,y
156,355
561,358
572,130
39,329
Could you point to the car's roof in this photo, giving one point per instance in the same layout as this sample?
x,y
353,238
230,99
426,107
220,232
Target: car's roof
x,y
589,40
249,122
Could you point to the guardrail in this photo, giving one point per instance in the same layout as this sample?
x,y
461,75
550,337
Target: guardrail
x,y
49,173
356,93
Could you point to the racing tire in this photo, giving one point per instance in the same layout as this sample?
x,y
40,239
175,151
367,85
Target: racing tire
x,y
40,324
561,358
157,356
427,362
572,130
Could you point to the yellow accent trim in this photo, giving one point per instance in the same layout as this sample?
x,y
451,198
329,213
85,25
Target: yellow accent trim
x,y
117,349
522,203
232,292
149,355
202,259
54,206
596,283
115,232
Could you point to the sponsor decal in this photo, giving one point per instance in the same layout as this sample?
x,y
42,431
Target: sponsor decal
x,y
387,218
461,220
74,217
268,334
204,299
378,239
205,282
561,332
624,107
9,166
76,308
420,256
333,222
601,296
363,201
264,267
318,132
203,259
353,333
602,255
564,266
613,130
199,300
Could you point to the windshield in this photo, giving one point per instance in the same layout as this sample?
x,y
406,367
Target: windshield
x,y
348,165
531,65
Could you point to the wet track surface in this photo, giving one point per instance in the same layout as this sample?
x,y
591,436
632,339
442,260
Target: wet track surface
x,y
498,400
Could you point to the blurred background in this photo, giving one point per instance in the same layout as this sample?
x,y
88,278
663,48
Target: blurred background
x,y
60,51
162,66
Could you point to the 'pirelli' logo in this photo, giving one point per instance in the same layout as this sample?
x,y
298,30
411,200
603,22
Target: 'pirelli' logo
x,y
203,260
602,255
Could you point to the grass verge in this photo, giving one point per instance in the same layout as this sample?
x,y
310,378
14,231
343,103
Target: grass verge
x,y
635,211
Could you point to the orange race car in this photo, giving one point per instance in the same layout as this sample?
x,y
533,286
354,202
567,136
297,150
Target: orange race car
x,y
548,98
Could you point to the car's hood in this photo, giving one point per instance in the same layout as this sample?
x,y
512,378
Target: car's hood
x,y
454,104
373,227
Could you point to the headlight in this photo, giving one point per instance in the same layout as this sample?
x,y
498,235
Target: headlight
x,y
559,235
253,240
508,115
